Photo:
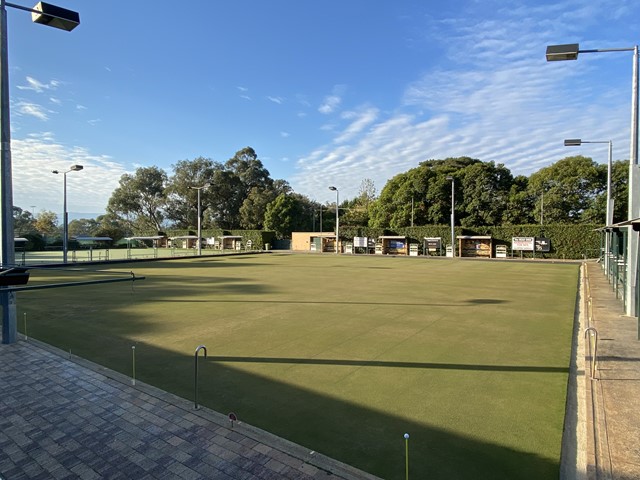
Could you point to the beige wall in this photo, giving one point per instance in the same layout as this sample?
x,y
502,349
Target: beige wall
x,y
301,241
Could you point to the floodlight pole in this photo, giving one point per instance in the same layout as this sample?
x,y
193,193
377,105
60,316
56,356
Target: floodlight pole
x,y
570,52
453,215
65,215
337,217
7,254
609,204
206,185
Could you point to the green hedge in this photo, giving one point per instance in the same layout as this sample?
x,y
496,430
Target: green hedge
x,y
567,241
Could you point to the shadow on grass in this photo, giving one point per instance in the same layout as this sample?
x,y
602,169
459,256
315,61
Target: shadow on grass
x,y
357,435
376,363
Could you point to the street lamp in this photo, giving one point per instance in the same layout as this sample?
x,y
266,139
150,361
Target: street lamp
x,y
453,215
58,18
206,185
334,189
570,52
65,219
576,142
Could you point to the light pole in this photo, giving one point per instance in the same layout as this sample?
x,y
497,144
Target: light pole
x,y
453,215
55,17
206,185
65,219
576,142
334,189
570,52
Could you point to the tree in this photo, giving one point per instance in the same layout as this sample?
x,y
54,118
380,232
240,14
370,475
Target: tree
x,y
520,204
570,187
485,190
620,190
23,222
357,210
82,227
47,223
289,213
182,199
140,199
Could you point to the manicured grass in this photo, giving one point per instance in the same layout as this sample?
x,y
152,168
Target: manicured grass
x,y
345,354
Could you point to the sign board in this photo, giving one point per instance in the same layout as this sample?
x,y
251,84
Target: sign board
x,y
413,250
525,244
360,242
348,248
501,251
543,244
433,244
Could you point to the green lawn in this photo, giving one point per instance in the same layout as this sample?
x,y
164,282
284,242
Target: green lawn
x,y
344,354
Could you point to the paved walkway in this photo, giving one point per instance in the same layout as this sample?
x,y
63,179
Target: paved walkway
x,y
64,418
613,398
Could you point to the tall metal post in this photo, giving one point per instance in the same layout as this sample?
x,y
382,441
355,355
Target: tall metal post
x,y
65,220
199,225
7,253
206,185
453,216
337,217
634,199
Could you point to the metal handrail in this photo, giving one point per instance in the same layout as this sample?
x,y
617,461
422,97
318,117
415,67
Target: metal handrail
x,y
195,393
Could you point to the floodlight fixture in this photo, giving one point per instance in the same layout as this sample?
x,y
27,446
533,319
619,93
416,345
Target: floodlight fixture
x,y
562,52
54,16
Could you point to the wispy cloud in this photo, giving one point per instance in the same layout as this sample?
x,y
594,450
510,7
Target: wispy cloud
x,y
492,96
37,155
32,110
38,86
277,100
330,104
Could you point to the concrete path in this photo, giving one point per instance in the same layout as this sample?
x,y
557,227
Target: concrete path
x,y
63,418
613,397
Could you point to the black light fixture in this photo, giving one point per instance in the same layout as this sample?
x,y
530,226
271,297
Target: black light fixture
x,y
54,16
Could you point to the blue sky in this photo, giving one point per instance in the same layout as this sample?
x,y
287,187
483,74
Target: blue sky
x,y
327,93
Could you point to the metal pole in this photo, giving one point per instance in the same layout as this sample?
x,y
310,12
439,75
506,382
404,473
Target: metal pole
x,y
453,217
609,213
64,221
321,238
199,226
634,197
195,380
7,298
337,221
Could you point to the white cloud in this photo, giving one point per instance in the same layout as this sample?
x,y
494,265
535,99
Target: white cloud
x,y
330,104
277,100
491,98
88,191
38,86
32,110
285,134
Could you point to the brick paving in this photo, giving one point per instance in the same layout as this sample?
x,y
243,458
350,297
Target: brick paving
x,y
62,417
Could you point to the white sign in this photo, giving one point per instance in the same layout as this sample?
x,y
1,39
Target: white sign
x,y
360,242
523,244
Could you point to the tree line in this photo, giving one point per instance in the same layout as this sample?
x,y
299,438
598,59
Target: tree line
x,y
240,194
